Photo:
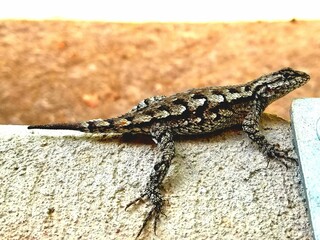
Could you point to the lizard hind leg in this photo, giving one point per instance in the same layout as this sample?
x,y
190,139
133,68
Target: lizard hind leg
x,y
163,137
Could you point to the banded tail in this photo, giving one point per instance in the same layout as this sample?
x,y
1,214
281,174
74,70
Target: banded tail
x,y
91,126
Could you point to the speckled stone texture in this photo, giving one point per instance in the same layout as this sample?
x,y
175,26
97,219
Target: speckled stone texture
x,y
64,184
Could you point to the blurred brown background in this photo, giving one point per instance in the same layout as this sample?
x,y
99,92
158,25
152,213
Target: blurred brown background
x,y
60,71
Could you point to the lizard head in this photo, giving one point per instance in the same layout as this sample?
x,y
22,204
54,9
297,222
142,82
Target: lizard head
x,y
275,85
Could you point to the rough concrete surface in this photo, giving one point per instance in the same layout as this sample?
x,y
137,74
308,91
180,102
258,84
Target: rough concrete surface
x,y
66,185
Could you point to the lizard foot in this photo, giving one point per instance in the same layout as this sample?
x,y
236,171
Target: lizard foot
x,y
282,155
156,199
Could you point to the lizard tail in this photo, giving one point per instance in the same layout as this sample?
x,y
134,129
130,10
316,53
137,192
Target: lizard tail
x,y
62,126
91,126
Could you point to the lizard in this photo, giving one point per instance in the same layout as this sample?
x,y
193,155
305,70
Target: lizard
x,y
193,112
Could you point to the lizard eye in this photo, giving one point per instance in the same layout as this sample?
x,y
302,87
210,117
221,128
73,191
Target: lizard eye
x,y
286,75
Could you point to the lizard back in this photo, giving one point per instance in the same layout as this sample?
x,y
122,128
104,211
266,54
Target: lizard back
x,y
194,111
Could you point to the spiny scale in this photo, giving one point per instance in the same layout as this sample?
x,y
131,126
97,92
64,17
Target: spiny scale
x,y
196,111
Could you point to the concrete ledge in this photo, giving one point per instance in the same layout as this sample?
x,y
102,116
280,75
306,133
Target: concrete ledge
x,y
67,185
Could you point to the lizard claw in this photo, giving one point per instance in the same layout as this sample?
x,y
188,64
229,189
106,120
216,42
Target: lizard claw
x,y
155,212
135,201
281,155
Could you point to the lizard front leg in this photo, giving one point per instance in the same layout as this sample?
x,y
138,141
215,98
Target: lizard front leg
x,y
163,137
251,125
